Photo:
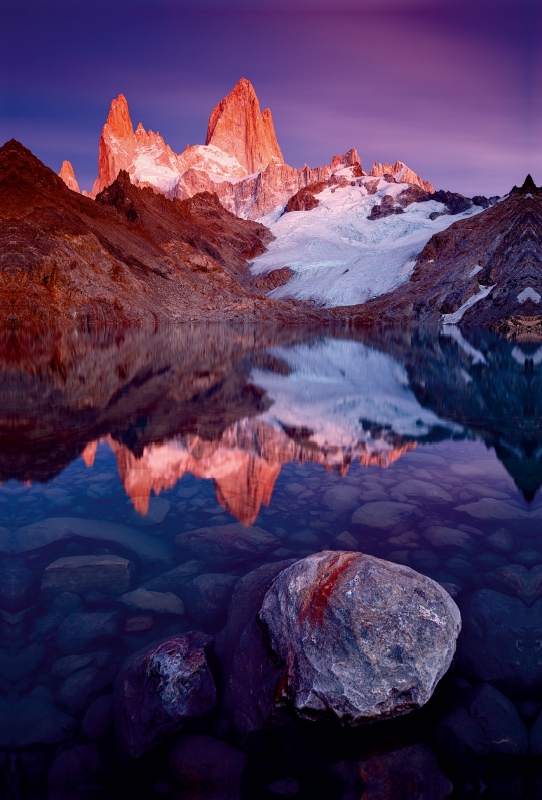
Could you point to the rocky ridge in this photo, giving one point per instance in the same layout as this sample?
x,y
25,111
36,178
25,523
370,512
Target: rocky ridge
x,y
129,256
241,160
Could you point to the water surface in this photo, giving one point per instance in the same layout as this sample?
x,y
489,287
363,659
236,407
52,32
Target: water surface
x,y
116,442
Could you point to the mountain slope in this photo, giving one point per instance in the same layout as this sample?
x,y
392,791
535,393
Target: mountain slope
x,y
484,270
129,256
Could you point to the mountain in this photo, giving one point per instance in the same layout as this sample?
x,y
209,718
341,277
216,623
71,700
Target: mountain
x,y
353,237
129,256
237,127
68,176
401,173
241,160
484,270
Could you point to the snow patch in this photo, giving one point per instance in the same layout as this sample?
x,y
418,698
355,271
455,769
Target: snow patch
x,y
529,294
475,271
456,316
339,257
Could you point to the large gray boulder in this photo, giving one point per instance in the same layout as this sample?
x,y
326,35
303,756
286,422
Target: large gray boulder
x,y
160,689
360,639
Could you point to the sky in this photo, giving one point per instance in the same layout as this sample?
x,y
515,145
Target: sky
x,y
452,89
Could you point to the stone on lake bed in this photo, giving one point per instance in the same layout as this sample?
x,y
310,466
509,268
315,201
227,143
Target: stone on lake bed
x,y
84,629
156,513
223,546
422,489
490,508
383,514
440,536
160,689
161,602
341,498
361,638
207,596
108,573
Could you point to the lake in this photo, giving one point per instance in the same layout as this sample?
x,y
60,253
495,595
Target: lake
x,y
420,447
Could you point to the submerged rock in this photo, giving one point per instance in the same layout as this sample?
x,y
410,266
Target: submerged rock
x,y
488,724
410,773
159,689
222,546
383,514
83,629
501,640
108,573
207,596
359,638
203,761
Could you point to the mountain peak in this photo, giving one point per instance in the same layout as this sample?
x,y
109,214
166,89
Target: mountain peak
x,y
239,128
118,123
68,176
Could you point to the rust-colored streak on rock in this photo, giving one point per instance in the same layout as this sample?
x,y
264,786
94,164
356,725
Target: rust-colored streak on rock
x,y
316,603
238,128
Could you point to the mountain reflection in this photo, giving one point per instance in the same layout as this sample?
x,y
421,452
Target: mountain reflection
x,y
234,404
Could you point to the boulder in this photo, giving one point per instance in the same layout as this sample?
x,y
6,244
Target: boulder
x,y
410,773
486,724
490,508
75,768
502,541
175,579
248,675
12,668
383,514
422,490
341,498
98,718
155,514
85,629
32,720
440,536
360,639
78,689
201,761
223,546
46,531
500,640
110,574
207,596
160,602
516,581
160,689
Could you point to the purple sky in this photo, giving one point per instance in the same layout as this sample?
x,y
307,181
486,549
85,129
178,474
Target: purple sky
x,y
453,90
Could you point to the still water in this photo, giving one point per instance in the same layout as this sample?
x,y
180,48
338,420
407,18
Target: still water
x,y
421,448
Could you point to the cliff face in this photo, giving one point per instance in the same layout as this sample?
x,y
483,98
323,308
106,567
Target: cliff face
x,y
237,127
484,270
129,256
241,161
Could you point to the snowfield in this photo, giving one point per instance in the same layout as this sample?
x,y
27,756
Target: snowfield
x,y
339,257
